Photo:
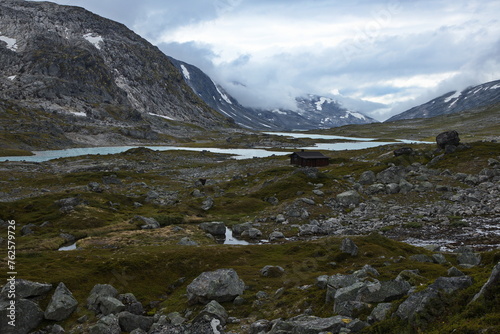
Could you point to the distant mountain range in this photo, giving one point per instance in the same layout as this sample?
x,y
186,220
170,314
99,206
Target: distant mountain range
x,y
69,77
453,102
312,112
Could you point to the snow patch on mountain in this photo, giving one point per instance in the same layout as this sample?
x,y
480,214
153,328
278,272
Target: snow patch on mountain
x,y
11,42
185,72
94,39
454,96
322,100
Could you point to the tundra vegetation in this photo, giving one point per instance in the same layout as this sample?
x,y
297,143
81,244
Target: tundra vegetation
x,y
128,213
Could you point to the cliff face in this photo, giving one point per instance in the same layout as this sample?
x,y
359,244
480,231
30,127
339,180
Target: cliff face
x,y
63,59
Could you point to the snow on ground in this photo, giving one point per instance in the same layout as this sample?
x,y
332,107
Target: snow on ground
x,y
454,96
95,39
12,77
11,42
224,96
185,72
495,87
322,100
162,116
78,113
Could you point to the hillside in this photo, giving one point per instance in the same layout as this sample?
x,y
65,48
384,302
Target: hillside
x,y
473,124
74,76
479,96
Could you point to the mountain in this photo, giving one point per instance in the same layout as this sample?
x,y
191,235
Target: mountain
x,y
316,112
312,112
72,69
216,97
473,97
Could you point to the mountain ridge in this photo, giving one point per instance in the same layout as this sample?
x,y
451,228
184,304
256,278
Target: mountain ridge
x,y
93,72
452,102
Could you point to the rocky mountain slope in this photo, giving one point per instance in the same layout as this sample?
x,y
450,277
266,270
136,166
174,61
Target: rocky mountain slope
x,y
217,98
73,70
312,112
471,98
317,112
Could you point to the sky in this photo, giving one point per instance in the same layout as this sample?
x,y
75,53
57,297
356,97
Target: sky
x,y
265,53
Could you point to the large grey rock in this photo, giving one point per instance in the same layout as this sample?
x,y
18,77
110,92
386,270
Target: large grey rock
x,y
61,305
26,289
380,312
214,228
336,282
385,291
392,174
447,138
186,241
27,316
451,284
349,247
207,204
97,292
469,259
145,223
350,197
221,285
106,325
272,271
131,303
110,305
275,235
213,310
251,233
129,322
238,229
304,324
366,178
350,308
486,289
416,304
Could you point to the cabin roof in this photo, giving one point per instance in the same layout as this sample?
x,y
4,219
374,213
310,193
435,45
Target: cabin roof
x,y
310,155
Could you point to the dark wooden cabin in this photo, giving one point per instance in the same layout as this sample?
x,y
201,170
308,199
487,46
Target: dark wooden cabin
x,y
309,159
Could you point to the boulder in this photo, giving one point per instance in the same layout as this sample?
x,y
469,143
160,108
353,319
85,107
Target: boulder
x,y
416,304
214,228
272,271
310,325
379,313
131,303
221,285
366,178
97,292
451,284
129,322
110,305
349,247
251,233
350,197
487,289
106,325
385,291
276,235
447,138
240,228
403,151
145,223
28,316
213,310
26,289
207,204
61,305
186,241
392,174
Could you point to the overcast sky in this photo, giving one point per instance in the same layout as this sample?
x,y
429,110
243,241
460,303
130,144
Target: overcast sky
x,y
266,52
